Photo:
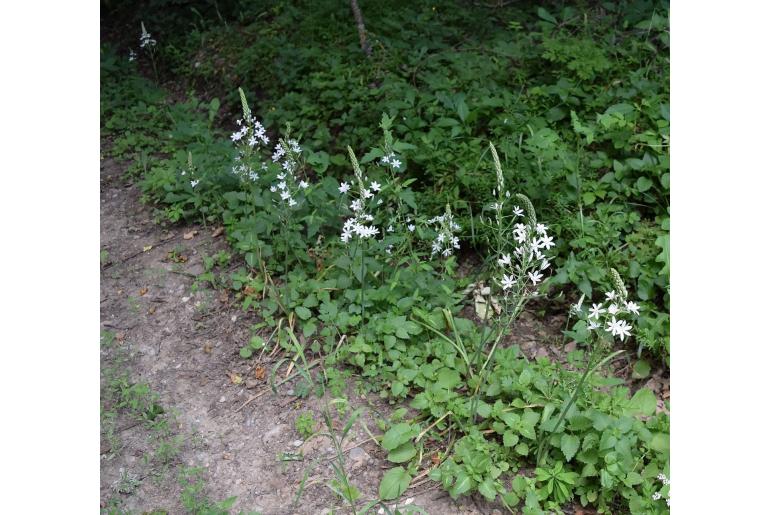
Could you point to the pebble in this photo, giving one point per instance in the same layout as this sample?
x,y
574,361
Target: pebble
x,y
222,399
297,443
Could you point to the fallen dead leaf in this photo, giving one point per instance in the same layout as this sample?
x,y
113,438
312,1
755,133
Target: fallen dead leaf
x,y
120,337
227,456
217,232
224,297
235,378
147,248
152,309
189,235
207,348
259,373
143,291
436,459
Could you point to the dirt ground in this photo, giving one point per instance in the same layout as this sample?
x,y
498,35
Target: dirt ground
x,y
185,345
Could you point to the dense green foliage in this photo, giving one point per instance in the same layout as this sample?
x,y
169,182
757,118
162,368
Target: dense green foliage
x,y
575,100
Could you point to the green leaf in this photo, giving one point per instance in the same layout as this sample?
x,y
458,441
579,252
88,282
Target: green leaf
x,y
487,489
633,478
643,184
545,15
402,453
462,109
660,442
643,402
394,483
569,446
302,312
641,369
462,484
397,435
448,378
662,242
510,439
246,352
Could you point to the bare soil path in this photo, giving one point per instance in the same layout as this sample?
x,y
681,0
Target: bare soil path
x,y
183,341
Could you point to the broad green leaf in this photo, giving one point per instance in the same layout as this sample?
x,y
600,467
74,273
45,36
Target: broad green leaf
x,y
448,378
397,435
641,369
487,489
462,485
510,439
394,483
402,453
643,184
643,402
545,15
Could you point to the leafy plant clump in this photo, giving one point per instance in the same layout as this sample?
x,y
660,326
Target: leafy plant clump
x,y
355,259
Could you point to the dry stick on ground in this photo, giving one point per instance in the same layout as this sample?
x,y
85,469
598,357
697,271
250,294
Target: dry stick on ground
x,y
361,28
132,256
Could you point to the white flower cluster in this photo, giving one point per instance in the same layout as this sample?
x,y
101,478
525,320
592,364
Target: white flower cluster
x,y
245,171
446,241
287,187
131,55
390,160
610,314
191,170
251,131
657,495
145,40
360,224
528,261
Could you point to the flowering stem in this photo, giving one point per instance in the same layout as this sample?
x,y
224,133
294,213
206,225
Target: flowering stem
x,y
363,281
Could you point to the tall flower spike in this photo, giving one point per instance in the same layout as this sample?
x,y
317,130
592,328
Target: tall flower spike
x,y
245,104
529,208
617,283
356,168
498,169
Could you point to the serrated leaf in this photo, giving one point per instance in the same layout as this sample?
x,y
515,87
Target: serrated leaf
x,y
394,483
569,446
303,312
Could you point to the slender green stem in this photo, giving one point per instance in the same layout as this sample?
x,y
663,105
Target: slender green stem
x,y
363,281
542,446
